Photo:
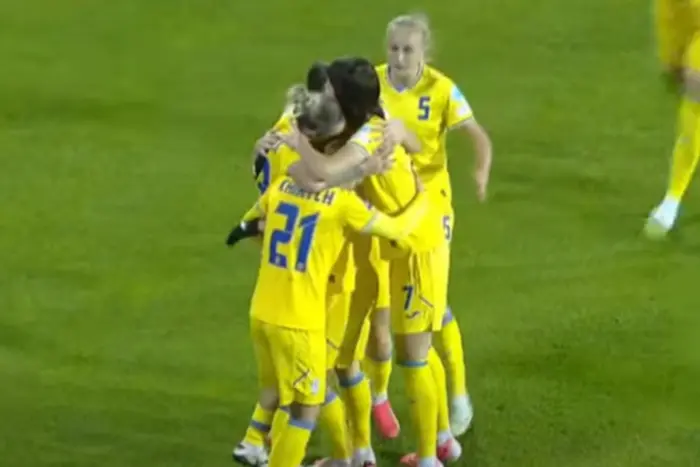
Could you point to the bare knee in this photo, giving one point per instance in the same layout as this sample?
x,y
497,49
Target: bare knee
x,y
268,399
304,413
691,84
413,347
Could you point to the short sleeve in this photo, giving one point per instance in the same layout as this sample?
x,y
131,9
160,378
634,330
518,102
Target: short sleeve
x,y
284,123
356,214
458,108
367,137
261,172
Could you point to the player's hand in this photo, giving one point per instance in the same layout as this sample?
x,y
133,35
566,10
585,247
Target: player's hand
x,y
267,142
293,138
244,230
481,179
381,160
394,131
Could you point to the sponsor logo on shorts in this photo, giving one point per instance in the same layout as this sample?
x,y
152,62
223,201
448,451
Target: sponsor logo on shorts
x,y
315,386
413,314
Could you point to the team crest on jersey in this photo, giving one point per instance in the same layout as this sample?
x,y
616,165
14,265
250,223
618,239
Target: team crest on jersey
x,y
463,108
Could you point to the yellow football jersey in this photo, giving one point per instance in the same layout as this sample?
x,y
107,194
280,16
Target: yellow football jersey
x,y
304,235
677,25
392,191
274,165
429,109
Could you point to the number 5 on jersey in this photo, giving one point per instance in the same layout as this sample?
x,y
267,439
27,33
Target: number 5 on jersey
x,y
447,226
280,237
424,108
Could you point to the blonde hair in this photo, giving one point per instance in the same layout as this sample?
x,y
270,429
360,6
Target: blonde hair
x,y
321,109
301,101
418,22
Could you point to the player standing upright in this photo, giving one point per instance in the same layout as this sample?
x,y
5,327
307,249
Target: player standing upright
x,y
678,34
304,236
417,270
430,105
322,123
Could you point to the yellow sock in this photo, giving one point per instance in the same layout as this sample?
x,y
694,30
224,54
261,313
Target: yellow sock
x,y
379,373
279,422
423,401
289,449
259,427
448,342
358,402
687,149
438,372
332,418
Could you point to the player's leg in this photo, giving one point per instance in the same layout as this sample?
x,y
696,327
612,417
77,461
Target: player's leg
x,y
355,389
686,151
412,357
332,417
300,363
251,451
417,310
448,343
354,386
378,360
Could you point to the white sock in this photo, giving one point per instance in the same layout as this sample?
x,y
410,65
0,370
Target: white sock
x,y
461,402
444,436
427,462
667,211
362,455
379,399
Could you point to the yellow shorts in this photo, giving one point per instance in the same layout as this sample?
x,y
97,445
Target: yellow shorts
x,y
291,360
419,291
354,344
336,323
374,271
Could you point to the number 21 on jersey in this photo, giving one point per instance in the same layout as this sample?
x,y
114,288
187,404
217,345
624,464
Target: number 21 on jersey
x,y
280,237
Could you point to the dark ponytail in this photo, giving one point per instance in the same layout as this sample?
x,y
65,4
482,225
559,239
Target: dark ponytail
x,y
356,86
317,77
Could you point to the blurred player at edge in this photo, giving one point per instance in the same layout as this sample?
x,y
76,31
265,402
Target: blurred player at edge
x,y
416,270
678,35
303,238
429,105
271,160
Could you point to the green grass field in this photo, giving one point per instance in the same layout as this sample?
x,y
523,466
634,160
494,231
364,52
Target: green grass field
x,y
125,131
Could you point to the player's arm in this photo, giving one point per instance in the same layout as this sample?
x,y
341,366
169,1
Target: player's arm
x,y
365,219
378,161
251,224
267,143
350,163
673,30
395,129
459,116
